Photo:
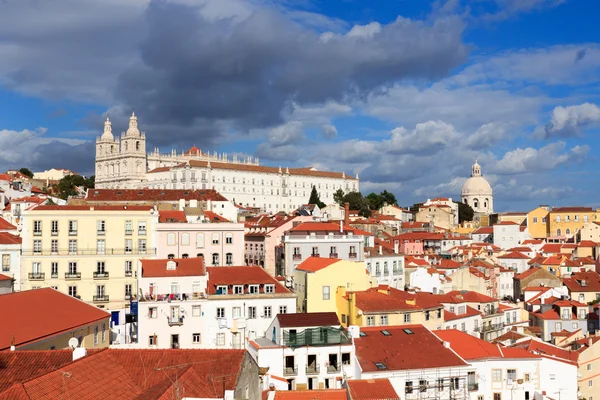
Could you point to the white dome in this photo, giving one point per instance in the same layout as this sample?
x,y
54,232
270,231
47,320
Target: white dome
x,y
107,135
476,185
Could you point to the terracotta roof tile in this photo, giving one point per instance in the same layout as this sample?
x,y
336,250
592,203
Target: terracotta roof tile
x,y
40,313
242,276
6,226
527,273
588,281
153,195
547,350
371,389
171,216
402,349
183,267
314,264
571,209
515,255
324,394
308,319
471,348
8,238
214,217
91,208
469,312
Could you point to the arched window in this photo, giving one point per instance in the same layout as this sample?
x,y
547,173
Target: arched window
x,y
185,239
568,232
200,255
465,201
170,239
558,232
137,145
215,259
171,256
185,255
112,148
476,203
125,146
229,259
215,238
200,240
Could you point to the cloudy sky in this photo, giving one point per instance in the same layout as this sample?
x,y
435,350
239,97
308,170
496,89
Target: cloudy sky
x,y
405,93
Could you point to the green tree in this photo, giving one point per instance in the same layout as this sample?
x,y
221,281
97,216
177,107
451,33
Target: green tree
x,y
358,202
388,198
465,212
315,198
338,197
67,185
26,172
375,201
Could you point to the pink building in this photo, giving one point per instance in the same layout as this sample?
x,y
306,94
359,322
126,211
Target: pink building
x,y
218,241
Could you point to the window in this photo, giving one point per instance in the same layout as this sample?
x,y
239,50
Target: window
x,y
267,312
95,335
5,262
200,240
37,228
72,227
589,367
54,269
408,387
252,312
269,288
558,218
128,268
370,320
422,385
326,292
282,309
535,220
100,246
128,227
220,339
73,291
128,246
128,291
576,218
185,239
37,246
220,312
333,251
566,313
72,246
153,312
141,227
54,228
383,320
142,246
152,341
511,374
253,289
406,318
585,219
229,259
221,289
463,327
72,267
590,383
215,259
526,377
103,333
54,246
215,238
496,375
315,252
196,311
195,338
377,269
228,238
101,227
238,289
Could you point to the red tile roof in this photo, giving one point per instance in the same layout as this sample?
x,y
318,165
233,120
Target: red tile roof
x,y
507,223
465,296
543,349
372,389
403,349
183,267
171,216
91,208
550,248
323,394
484,230
314,264
5,278
308,319
8,238
587,243
6,226
527,273
372,300
214,217
141,374
446,263
532,241
41,313
241,276
153,195
471,348
571,209
515,255
317,227
469,312
587,281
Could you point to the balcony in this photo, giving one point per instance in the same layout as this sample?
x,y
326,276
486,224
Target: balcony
x,y
128,231
333,368
312,370
36,276
100,275
37,233
174,180
287,371
128,274
72,276
333,255
101,233
315,255
54,275
297,256
72,233
128,297
175,321
473,387
352,255
492,327
204,180
101,299
142,232
54,233
88,252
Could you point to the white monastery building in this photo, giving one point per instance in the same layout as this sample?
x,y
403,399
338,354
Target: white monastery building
x,y
123,163
477,192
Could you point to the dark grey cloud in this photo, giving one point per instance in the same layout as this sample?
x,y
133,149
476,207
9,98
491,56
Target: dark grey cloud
x,y
580,55
78,158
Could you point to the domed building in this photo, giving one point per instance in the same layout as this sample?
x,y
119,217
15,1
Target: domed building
x,y
477,192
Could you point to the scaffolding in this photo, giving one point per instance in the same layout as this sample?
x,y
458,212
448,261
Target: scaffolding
x,y
443,384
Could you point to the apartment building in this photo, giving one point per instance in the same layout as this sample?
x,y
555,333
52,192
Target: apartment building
x,y
385,264
89,252
10,251
509,234
583,286
187,305
565,222
219,243
307,351
568,315
321,239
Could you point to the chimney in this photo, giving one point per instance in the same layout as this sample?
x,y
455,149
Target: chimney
x,y
79,352
271,388
341,227
181,204
590,342
346,213
380,250
396,246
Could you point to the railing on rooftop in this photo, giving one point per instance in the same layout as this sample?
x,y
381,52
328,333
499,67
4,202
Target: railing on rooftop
x,y
322,336
492,327
175,321
173,297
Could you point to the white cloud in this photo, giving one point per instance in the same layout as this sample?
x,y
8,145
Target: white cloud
x,y
529,160
430,137
329,131
487,135
568,121
362,31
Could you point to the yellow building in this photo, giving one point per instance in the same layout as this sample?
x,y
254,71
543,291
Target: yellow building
x,y
537,220
583,287
383,306
89,252
589,232
516,217
565,222
46,320
318,279
589,365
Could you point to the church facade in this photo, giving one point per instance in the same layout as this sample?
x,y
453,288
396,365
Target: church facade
x,y
477,192
123,163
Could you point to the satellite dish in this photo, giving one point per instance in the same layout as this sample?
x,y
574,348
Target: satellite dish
x,y
73,343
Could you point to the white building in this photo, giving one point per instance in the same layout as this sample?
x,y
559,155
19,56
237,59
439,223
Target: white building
x,y
185,305
430,280
509,234
477,192
321,239
52,174
123,163
308,350
444,201
515,260
385,266
10,250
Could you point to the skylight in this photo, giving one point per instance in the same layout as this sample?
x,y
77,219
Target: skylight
x,y
386,333
362,334
380,365
408,331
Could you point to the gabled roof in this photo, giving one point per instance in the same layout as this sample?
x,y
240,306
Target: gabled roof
x,y
465,296
308,319
543,349
214,217
183,267
314,264
171,216
402,348
371,389
484,230
41,313
527,273
471,348
9,238
244,276
446,263
588,281
6,226
515,255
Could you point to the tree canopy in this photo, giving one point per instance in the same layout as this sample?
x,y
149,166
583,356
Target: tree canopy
x,y
364,205
465,212
67,185
26,172
315,198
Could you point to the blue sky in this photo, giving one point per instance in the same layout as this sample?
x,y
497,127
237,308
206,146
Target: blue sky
x,y
405,93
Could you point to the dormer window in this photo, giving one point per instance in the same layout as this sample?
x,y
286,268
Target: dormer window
x,y
269,288
566,313
582,313
253,289
238,289
222,289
